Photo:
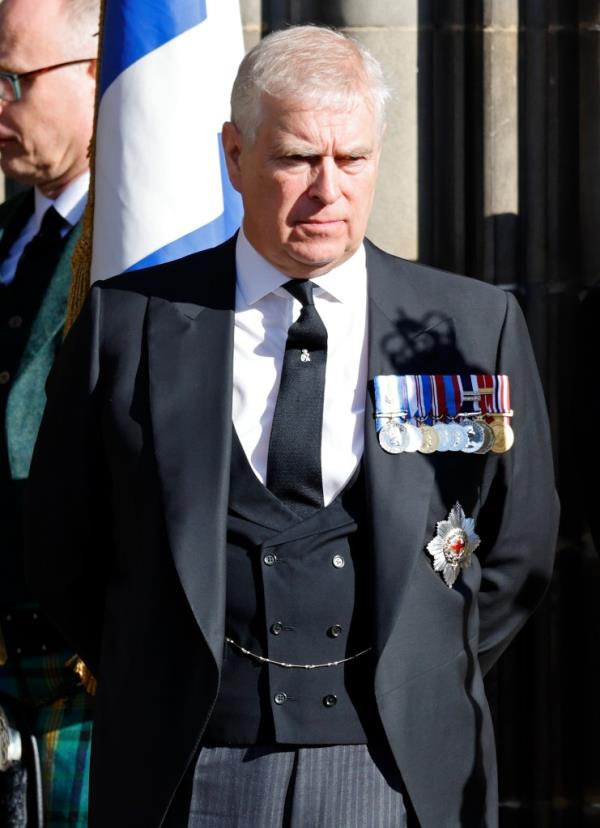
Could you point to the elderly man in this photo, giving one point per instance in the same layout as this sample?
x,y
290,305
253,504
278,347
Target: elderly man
x,y
288,606
47,72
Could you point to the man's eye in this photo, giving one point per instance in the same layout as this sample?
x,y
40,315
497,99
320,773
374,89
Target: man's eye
x,y
351,160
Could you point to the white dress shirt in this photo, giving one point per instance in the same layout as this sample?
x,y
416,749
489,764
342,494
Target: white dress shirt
x,y
263,313
70,204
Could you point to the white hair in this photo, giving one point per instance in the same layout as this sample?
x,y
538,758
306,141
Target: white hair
x,y
83,22
310,64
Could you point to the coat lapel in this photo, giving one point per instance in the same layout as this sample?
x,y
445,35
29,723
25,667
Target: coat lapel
x,y
190,348
27,398
398,486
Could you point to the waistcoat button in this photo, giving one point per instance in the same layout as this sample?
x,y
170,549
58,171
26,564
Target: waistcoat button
x,y
277,628
280,698
338,561
330,700
15,322
4,377
335,631
269,559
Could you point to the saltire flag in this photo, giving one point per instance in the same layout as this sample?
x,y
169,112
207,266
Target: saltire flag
x,y
161,187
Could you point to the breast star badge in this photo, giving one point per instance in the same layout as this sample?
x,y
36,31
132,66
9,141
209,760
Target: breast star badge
x,y
453,545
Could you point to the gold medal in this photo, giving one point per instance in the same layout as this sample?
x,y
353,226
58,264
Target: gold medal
x,y
430,439
504,437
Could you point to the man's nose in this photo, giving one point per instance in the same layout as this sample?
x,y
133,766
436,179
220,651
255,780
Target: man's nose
x,y
325,185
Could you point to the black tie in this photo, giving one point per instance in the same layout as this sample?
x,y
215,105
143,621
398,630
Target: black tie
x,y
294,461
40,255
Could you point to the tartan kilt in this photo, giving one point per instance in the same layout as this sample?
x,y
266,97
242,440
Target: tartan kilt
x,y
59,713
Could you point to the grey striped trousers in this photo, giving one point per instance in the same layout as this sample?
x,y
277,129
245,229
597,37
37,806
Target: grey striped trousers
x,y
342,786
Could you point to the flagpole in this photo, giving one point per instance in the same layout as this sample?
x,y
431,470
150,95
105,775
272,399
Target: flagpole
x,y
81,262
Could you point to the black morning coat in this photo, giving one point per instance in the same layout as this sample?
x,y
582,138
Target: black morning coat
x,y
127,514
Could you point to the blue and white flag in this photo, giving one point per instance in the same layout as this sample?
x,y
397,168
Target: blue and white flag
x,y
161,186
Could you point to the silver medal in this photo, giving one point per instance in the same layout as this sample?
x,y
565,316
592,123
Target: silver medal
x,y
415,438
475,436
488,438
443,437
393,437
457,437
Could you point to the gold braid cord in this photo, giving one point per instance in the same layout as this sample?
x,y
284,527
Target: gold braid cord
x,y
82,257
80,283
87,679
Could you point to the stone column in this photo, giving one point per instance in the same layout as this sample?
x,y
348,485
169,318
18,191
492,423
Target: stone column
x,y
500,140
251,21
391,32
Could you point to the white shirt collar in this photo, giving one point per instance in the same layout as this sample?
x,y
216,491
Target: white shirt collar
x,y
70,204
256,277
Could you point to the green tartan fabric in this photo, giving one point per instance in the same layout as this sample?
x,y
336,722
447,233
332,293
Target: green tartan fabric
x,y
59,714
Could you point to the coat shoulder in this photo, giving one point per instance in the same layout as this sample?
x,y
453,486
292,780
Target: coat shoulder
x,y
452,292
14,205
206,277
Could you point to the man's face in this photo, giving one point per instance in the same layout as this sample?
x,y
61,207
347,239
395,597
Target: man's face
x,y
45,135
307,183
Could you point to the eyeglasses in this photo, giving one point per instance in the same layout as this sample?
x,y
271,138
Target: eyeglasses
x,y
10,87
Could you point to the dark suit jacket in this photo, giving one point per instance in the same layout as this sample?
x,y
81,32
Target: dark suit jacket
x,y
21,410
128,503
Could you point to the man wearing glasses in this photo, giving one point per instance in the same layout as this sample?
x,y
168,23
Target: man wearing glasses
x,y
47,82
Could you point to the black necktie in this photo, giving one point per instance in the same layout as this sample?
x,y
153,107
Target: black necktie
x,y
40,255
294,461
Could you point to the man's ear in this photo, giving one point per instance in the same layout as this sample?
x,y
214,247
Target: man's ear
x,y
232,146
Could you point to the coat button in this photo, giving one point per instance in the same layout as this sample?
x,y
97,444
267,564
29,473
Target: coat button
x,y
280,698
15,322
277,628
338,561
330,700
335,631
269,559
4,377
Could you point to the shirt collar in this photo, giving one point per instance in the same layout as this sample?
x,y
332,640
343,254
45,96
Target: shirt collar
x,y
256,277
70,204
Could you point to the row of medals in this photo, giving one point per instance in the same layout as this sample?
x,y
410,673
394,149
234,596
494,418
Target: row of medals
x,y
466,434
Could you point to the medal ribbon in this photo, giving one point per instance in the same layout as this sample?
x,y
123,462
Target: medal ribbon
x,y
403,395
387,399
434,397
426,386
499,401
504,394
451,395
411,386
469,388
484,382
440,396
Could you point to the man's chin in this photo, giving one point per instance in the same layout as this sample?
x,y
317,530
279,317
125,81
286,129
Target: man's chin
x,y
317,259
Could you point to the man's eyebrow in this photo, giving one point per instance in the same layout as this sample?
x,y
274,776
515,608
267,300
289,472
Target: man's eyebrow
x,y
309,150
294,148
355,152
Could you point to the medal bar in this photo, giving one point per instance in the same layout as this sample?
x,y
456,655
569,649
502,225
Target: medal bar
x,y
429,413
